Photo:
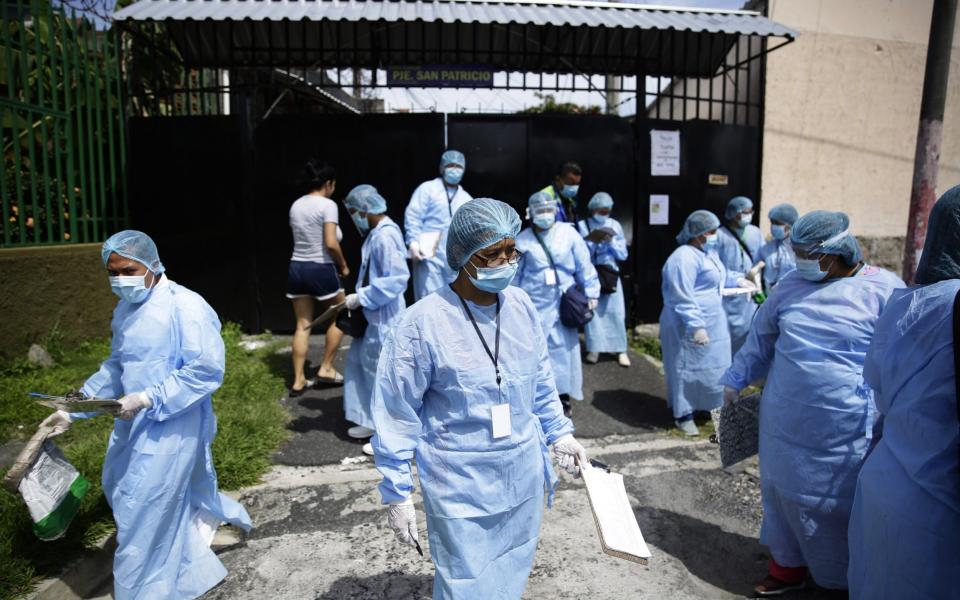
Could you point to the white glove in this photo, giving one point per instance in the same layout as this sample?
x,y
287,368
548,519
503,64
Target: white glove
x,y
402,519
353,302
567,450
415,251
131,404
60,421
746,283
755,271
700,337
730,395
592,303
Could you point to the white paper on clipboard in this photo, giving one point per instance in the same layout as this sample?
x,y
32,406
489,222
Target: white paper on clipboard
x,y
617,526
726,292
429,241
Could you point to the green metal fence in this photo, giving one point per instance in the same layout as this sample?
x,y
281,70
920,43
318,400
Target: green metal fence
x,y
61,128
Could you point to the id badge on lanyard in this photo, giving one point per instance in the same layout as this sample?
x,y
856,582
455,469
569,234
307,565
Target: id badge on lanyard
x,y
500,412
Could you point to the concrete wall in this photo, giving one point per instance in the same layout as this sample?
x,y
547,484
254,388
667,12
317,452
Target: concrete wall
x,y
842,107
55,286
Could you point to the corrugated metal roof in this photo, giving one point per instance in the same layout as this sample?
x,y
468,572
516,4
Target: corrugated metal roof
x,y
575,14
585,37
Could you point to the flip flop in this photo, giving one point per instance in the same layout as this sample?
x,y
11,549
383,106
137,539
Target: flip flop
x,y
337,379
297,393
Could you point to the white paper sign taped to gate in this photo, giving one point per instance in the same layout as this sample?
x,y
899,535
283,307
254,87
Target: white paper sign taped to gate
x,y
664,152
659,209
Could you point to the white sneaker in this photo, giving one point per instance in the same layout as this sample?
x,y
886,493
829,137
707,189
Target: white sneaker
x,y
592,357
368,449
688,427
623,359
360,432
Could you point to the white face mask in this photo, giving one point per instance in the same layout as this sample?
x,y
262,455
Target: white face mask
x,y
131,288
545,220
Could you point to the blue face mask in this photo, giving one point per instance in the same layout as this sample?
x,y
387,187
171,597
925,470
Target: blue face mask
x,y
569,191
600,220
361,222
809,269
452,175
710,242
494,279
545,220
779,232
130,288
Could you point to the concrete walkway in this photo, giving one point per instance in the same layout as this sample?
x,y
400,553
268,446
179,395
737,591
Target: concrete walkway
x,y
320,530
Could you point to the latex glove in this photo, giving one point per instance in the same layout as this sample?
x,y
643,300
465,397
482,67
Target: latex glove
x,y
567,450
60,421
730,395
700,337
415,251
353,302
402,519
131,404
592,303
746,283
755,271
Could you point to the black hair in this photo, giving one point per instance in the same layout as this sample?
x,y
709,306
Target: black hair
x,y
316,173
568,167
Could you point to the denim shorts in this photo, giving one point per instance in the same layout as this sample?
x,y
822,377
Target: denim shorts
x,y
306,279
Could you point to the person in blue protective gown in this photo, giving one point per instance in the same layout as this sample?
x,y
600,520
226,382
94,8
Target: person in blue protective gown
x,y
738,246
428,214
465,387
693,325
777,254
905,525
166,359
382,280
555,257
607,330
809,341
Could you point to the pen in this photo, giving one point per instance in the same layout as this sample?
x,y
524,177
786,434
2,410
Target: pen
x,y
599,465
419,549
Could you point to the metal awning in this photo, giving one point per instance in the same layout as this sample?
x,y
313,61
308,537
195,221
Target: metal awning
x,y
508,35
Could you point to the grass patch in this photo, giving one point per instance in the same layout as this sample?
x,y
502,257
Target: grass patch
x,y
649,346
250,427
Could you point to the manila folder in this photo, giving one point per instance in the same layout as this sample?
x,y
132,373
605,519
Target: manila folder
x,y
616,524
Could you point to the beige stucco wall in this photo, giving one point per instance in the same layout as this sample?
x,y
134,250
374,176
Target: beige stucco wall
x,y
842,107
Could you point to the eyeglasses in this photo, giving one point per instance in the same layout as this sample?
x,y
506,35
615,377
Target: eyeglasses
x,y
501,258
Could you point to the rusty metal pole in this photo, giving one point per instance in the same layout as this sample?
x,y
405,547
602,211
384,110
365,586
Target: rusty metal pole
x,y
929,132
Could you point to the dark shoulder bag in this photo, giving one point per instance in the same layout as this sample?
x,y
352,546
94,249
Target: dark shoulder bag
x,y
353,322
574,304
607,275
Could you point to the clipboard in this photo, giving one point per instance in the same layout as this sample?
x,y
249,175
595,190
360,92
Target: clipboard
x,y
325,315
617,526
72,406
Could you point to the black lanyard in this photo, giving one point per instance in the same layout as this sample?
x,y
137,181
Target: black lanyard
x,y
450,198
495,355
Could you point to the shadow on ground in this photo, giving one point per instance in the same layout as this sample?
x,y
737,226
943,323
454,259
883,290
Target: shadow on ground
x,y
384,586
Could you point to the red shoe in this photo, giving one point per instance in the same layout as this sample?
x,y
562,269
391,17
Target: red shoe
x,y
771,586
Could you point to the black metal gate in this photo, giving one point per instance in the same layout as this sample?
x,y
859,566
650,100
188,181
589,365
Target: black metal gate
x,y
216,199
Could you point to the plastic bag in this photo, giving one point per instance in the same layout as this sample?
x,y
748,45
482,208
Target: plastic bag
x,y
50,486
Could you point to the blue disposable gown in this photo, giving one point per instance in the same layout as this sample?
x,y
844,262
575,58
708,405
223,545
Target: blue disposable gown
x,y
607,330
573,266
435,389
692,280
430,209
779,259
905,526
158,474
740,308
816,415
382,254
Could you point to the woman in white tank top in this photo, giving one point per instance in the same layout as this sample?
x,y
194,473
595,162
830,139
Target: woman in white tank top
x,y
315,269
